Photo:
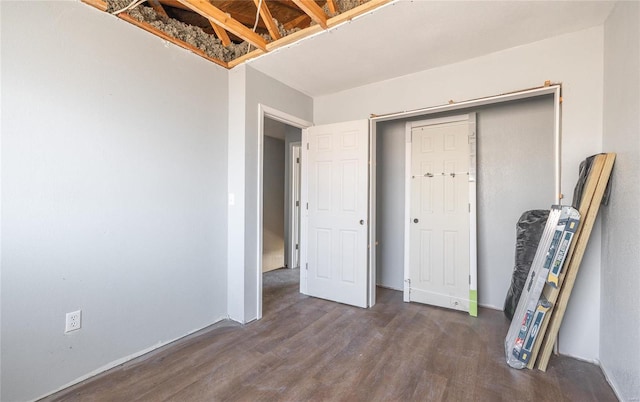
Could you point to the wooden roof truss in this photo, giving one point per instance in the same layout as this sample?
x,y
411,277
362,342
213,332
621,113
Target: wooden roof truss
x,y
235,23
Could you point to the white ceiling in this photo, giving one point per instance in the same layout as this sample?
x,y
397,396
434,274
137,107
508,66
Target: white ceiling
x,y
409,36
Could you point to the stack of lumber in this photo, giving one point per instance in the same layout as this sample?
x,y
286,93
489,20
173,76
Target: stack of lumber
x,y
592,195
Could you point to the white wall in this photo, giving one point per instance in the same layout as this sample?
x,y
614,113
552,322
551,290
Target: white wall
x,y
250,88
236,185
273,204
574,59
113,175
620,308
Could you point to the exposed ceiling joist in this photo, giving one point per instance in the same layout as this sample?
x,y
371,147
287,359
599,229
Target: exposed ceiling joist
x,y
314,11
218,16
298,22
267,18
354,12
155,4
332,6
175,3
99,4
220,33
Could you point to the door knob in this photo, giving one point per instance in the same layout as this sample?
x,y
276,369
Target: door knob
x,y
416,220
362,221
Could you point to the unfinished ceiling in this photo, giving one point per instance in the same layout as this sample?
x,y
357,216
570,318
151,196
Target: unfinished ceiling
x,y
231,32
308,46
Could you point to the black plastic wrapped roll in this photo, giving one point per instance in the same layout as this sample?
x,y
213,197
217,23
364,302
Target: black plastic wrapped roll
x,y
528,232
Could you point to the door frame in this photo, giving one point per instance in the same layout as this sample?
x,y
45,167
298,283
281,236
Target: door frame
x,y
548,89
291,120
470,118
295,172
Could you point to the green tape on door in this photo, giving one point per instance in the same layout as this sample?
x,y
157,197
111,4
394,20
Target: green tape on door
x,y
473,303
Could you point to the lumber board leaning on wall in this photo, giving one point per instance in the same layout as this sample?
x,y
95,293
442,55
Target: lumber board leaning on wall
x,y
589,206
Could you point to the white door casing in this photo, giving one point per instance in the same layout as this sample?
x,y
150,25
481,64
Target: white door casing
x,y
294,206
335,208
441,181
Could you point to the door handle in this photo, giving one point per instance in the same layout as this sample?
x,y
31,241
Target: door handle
x,y
415,220
362,221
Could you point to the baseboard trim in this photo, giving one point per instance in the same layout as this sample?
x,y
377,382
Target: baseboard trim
x,y
141,355
492,307
611,383
389,287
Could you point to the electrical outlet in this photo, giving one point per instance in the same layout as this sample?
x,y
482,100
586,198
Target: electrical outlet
x,y
73,321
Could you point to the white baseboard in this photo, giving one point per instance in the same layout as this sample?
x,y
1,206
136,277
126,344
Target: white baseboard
x,y
130,357
492,307
611,383
389,287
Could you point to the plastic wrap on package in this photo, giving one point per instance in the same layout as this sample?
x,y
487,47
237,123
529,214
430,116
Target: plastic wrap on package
x,y
528,232
583,174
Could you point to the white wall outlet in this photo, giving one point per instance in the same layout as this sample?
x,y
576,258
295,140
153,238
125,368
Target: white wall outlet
x,y
73,321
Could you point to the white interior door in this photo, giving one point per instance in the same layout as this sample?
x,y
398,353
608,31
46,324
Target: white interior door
x,y
335,195
440,243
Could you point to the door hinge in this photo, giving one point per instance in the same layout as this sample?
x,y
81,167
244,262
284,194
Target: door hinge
x,y
297,203
469,207
297,160
307,145
297,246
306,266
469,279
307,206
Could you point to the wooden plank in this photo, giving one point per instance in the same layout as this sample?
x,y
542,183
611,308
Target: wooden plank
x,y
220,33
99,4
233,12
356,11
232,25
248,56
314,11
332,6
550,293
157,7
294,37
572,271
175,4
267,18
299,22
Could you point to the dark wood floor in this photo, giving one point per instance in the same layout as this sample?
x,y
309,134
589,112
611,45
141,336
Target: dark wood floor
x,y
310,349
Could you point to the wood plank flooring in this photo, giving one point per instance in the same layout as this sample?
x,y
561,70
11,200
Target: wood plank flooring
x,y
307,349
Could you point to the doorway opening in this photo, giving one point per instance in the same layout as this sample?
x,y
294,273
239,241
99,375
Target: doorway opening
x,y
280,178
279,207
